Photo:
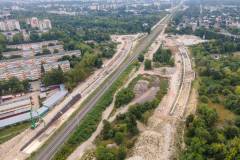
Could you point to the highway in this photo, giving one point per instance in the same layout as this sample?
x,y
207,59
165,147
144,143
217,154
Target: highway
x,y
55,143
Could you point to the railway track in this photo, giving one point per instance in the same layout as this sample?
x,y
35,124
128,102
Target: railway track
x,y
180,103
57,141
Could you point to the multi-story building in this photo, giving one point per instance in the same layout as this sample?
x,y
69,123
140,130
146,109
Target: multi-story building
x,y
34,22
64,65
40,24
45,24
10,34
30,68
33,51
9,25
35,46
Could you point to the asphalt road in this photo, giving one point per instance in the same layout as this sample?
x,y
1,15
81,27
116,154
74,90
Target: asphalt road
x,y
57,141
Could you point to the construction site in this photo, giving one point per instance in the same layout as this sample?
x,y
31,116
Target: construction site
x,y
159,137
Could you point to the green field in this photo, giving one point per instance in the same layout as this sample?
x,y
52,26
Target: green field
x,y
11,131
223,113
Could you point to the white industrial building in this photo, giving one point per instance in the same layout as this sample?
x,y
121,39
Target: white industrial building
x,y
16,107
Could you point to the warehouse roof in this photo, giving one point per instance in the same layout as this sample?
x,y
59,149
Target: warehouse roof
x,y
55,98
49,103
16,104
22,117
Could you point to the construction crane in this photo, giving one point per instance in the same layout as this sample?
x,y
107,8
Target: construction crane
x,y
36,121
33,121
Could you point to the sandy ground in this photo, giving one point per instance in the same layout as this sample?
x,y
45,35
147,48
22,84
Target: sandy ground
x,y
157,142
189,40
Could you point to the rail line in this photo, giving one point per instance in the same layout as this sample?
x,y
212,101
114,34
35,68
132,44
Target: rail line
x,y
180,103
53,146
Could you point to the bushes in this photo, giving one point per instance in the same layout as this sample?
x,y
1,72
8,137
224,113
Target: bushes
x,y
147,64
107,153
124,96
13,86
104,153
141,58
53,77
163,56
119,137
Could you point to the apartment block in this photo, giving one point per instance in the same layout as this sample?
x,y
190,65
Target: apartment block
x,y
44,24
30,68
9,25
64,65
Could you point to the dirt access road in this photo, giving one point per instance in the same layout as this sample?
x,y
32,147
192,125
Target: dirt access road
x,y
157,141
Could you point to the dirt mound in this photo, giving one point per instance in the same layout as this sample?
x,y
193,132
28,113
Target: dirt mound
x,y
141,87
156,142
135,158
149,146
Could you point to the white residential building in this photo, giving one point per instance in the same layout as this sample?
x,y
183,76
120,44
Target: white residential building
x,y
64,65
45,24
41,24
30,68
9,25
34,22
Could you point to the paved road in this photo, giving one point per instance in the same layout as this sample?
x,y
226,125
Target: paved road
x,y
57,141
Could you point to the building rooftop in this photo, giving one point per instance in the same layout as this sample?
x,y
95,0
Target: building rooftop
x,y
55,98
16,104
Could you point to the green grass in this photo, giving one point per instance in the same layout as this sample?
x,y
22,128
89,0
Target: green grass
x,y
223,113
236,55
9,132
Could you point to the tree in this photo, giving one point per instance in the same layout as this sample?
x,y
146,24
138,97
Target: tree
x,y
121,153
13,85
148,64
98,63
163,56
53,77
35,37
237,121
233,151
237,90
104,153
141,58
46,51
71,45
231,132
204,99
119,137
123,97
189,119
3,42
107,131
217,150
207,114
18,38
55,51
